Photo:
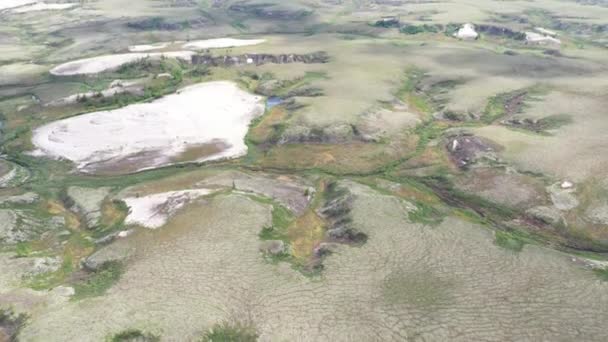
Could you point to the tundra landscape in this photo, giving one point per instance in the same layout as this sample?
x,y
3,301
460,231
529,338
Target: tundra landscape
x,y
303,170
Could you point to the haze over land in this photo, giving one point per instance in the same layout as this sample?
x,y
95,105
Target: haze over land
x,y
303,170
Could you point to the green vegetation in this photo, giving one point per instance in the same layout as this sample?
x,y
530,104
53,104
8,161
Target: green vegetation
x,y
98,282
133,335
281,219
509,241
411,93
510,103
424,28
602,273
426,214
227,332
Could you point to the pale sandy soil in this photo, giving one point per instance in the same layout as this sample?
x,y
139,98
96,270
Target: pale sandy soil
x,y
6,4
153,211
154,134
147,47
99,64
221,43
43,6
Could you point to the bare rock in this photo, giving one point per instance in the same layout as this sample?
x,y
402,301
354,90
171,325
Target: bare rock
x,y
563,199
325,248
26,198
598,214
117,251
88,202
546,214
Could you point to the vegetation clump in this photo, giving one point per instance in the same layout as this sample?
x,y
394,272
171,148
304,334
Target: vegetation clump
x,y
509,241
98,282
602,273
133,335
226,332
426,215
424,28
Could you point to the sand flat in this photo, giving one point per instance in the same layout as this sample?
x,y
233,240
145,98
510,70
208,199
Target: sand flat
x,y
149,135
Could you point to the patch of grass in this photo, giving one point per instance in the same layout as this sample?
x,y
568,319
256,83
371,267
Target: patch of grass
x,y
426,214
99,281
23,249
427,132
424,28
508,240
602,273
227,332
133,335
410,93
113,215
268,128
49,280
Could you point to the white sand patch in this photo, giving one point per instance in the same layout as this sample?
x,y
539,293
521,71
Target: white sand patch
x,y
221,43
43,6
153,211
545,32
6,4
99,64
540,39
115,88
206,113
467,32
150,47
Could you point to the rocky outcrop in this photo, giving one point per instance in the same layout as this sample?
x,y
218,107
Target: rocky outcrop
x,y
87,202
26,198
334,134
22,225
467,149
546,214
118,251
500,31
267,11
336,211
260,59
563,198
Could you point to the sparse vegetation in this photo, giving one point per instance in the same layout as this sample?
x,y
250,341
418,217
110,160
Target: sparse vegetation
x,y
508,241
133,335
96,283
602,273
226,332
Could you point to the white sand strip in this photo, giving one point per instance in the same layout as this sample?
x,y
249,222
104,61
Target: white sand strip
x,y
149,47
6,4
43,6
221,43
99,64
153,211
